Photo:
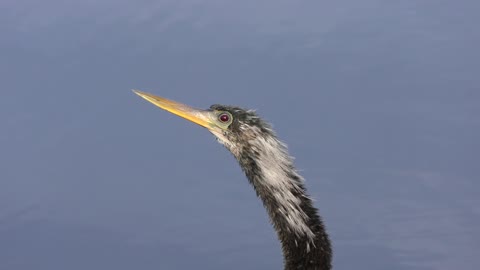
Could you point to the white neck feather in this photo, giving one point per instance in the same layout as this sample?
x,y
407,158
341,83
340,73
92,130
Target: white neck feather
x,y
276,170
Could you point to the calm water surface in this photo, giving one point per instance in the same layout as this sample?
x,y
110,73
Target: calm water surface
x,y
378,101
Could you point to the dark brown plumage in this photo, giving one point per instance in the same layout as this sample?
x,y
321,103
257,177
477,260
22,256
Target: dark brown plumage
x,y
270,170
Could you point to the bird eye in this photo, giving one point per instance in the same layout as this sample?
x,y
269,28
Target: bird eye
x,y
224,117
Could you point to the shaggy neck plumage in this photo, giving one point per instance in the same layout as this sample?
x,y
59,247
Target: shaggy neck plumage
x,y
270,170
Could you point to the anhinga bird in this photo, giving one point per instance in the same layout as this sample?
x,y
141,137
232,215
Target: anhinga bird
x,y
270,170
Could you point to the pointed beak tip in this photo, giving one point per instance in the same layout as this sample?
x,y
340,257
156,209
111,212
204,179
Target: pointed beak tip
x,y
142,94
197,116
136,91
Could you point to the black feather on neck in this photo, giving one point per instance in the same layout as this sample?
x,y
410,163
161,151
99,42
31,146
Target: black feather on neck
x,y
269,168
300,251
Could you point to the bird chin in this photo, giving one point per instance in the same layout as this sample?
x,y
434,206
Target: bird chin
x,y
223,139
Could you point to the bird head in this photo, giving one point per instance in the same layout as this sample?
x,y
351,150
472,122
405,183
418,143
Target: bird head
x,y
232,126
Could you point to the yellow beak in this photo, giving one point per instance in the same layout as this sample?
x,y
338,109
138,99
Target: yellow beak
x,y
197,116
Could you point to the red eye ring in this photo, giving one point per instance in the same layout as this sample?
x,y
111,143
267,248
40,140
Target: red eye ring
x,y
224,117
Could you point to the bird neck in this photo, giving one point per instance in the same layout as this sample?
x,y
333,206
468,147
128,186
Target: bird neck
x,y
270,170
